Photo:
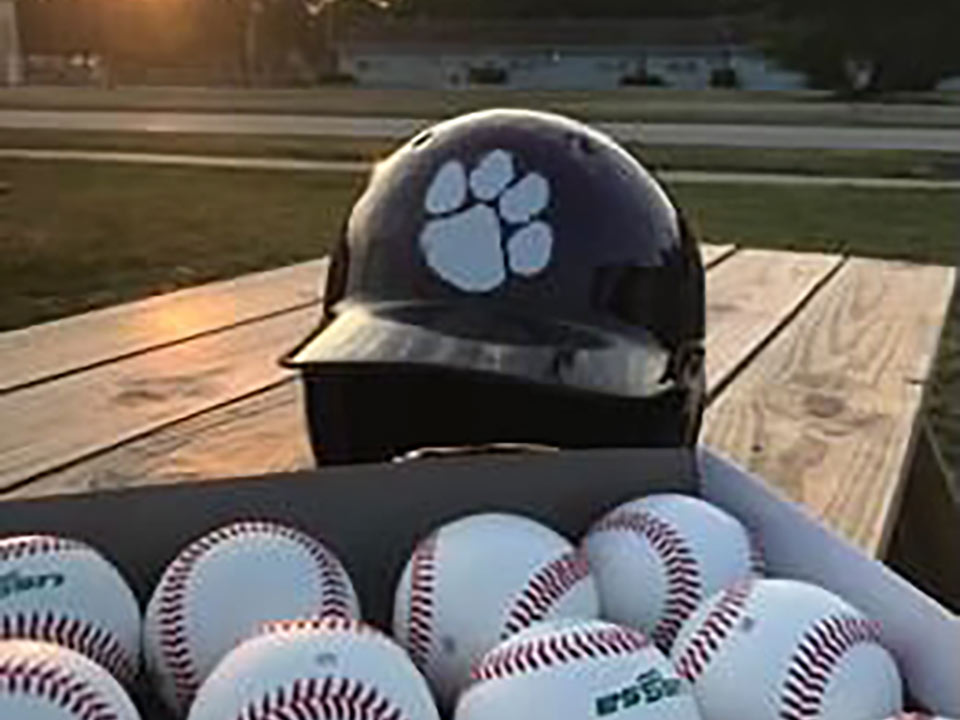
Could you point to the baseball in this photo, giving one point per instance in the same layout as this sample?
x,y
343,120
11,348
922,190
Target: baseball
x,y
576,669
42,681
475,582
324,668
63,591
785,650
655,560
222,587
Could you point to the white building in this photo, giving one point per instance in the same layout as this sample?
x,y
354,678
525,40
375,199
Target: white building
x,y
558,54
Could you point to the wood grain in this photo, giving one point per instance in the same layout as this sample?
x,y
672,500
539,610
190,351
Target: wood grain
x,y
827,411
713,254
749,293
42,351
58,422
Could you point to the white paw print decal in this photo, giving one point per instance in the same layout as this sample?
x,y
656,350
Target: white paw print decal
x,y
464,241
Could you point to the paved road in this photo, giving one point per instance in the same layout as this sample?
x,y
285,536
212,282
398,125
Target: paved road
x,y
287,164
780,136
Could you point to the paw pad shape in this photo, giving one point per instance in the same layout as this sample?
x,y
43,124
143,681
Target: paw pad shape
x,y
483,225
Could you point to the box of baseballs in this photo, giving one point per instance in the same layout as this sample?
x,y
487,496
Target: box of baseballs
x,y
609,584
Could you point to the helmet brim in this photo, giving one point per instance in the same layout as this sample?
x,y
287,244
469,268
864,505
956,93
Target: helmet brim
x,y
504,343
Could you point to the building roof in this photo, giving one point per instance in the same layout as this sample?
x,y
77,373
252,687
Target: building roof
x,y
424,34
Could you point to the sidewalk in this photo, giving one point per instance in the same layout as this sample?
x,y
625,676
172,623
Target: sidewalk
x,y
339,166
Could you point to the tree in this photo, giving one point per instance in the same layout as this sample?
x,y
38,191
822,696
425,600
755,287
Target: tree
x,y
573,8
890,44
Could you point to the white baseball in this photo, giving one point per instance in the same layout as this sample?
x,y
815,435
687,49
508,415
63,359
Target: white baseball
x,y
326,668
63,591
222,587
786,650
655,560
475,582
42,681
576,669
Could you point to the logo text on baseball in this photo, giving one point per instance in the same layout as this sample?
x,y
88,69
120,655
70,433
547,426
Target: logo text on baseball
x,y
13,583
651,687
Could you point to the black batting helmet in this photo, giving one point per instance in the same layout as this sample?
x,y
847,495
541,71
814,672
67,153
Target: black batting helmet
x,y
508,276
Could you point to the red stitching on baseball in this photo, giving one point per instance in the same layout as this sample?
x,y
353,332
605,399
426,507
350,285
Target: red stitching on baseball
x,y
817,655
172,615
40,678
331,623
544,590
684,590
26,545
540,652
323,699
718,623
423,578
75,633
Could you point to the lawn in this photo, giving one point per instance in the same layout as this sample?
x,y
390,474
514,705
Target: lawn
x,y
77,236
856,163
625,104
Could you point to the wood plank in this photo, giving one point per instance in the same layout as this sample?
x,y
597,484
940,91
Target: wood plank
x,y
51,349
53,423
749,295
713,254
827,411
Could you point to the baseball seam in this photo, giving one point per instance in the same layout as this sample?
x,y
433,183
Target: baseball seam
x,y
323,699
16,548
331,623
818,653
714,628
59,685
423,577
544,589
682,574
172,613
74,633
538,653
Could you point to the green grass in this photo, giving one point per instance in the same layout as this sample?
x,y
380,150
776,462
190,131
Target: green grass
x,y
625,104
76,236
915,225
856,163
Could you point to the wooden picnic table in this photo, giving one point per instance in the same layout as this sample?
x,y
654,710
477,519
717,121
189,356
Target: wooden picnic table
x,y
816,369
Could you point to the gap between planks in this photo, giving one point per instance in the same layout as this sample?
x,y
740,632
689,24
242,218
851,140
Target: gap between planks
x,y
749,293
116,400
826,413
53,424
53,350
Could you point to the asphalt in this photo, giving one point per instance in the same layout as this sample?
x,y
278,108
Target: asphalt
x,y
728,135
287,164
